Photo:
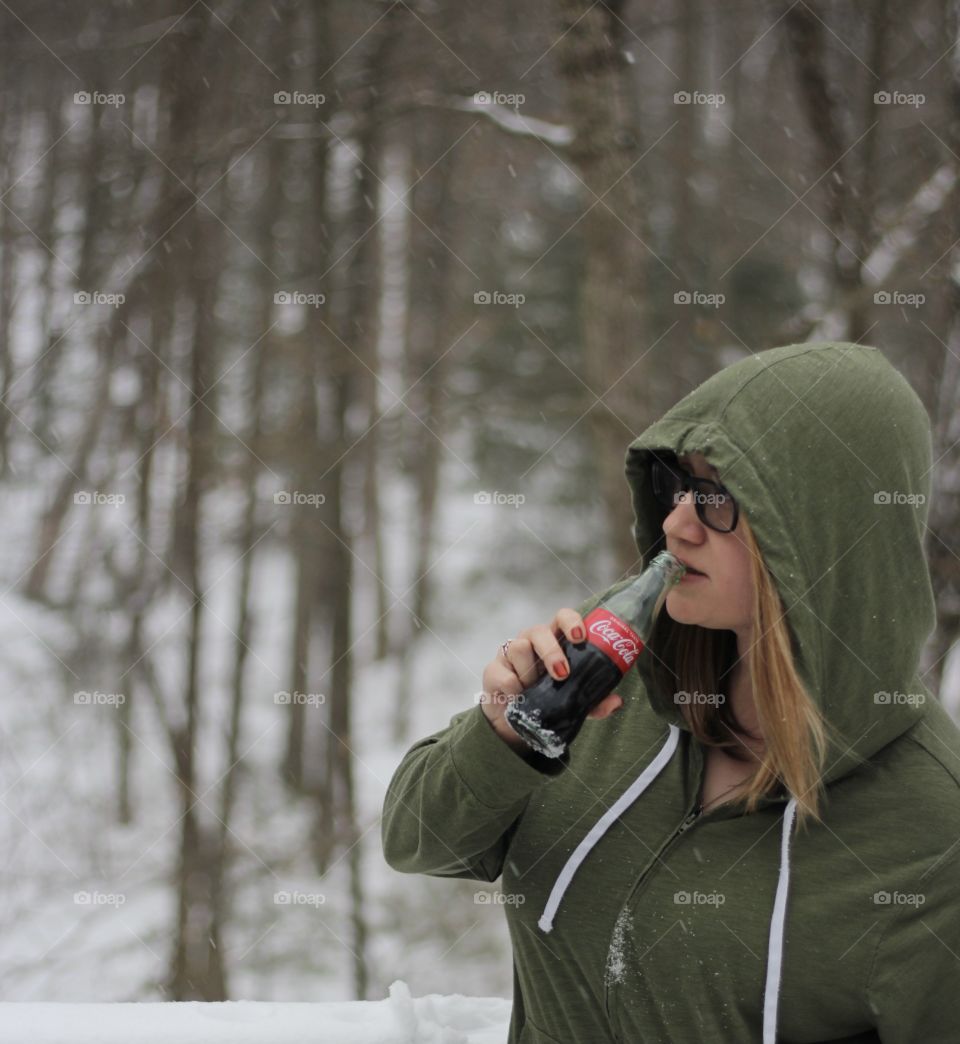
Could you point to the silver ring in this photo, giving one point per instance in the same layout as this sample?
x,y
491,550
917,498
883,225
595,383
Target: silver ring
x,y
503,648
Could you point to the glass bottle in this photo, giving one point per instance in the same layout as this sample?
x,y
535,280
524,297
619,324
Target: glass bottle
x,y
549,714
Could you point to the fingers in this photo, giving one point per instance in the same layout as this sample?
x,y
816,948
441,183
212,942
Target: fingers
x,y
538,647
570,623
500,681
534,650
607,706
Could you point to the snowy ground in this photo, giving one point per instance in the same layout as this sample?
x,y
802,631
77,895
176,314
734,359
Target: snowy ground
x,y
400,1019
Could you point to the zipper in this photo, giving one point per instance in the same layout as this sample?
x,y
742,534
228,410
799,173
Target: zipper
x,y
689,820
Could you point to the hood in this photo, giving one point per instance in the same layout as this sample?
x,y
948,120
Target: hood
x,y
827,449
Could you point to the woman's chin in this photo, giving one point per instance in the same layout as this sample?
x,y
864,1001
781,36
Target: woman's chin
x,y
683,609
681,612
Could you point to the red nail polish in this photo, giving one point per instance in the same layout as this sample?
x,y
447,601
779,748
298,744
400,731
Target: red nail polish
x,y
562,670
577,633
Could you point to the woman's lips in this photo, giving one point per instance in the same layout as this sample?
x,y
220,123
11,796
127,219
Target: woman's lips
x,y
688,576
690,569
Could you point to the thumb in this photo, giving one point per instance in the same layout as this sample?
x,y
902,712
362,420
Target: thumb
x,y
607,706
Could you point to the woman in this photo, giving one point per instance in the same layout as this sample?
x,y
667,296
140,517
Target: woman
x,y
762,841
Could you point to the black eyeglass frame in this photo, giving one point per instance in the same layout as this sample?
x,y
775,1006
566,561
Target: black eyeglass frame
x,y
664,491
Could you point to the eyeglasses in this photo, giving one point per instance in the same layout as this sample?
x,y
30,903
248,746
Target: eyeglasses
x,y
715,505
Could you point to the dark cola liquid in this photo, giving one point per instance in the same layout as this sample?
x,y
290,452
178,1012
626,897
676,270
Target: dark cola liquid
x,y
549,714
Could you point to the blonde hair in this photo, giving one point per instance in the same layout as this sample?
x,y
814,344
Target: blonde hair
x,y
691,658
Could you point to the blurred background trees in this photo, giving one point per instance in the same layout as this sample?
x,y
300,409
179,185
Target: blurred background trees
x,y
323,331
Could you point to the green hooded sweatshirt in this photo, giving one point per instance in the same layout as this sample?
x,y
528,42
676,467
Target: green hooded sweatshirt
x,y
635,919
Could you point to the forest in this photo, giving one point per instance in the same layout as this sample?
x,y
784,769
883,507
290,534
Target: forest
x,y
324,328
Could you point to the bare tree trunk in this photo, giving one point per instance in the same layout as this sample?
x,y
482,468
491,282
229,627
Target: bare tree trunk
x,y
77,472
9,112
593,67
945,512
52,348
395,305
353,381
151,422
373,517
196,971
430,291
944,520
309,537
248,538
306,546
849,187
688,259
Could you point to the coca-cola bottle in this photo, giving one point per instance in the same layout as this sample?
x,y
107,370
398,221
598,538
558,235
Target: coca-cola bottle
x,y
549,714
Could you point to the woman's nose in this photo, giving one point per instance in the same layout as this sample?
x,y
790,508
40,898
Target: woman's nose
x,y
682,520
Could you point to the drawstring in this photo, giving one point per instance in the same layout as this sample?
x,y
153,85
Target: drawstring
x,y
771,993
626,799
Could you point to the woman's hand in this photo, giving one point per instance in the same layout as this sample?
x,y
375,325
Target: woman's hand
x,y
533,651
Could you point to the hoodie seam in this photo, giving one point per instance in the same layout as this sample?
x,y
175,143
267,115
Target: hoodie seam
x,y
819,681
769,365
930,753
870,1007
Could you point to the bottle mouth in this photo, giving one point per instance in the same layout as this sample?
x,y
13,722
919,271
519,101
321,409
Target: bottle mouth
x,y
675,567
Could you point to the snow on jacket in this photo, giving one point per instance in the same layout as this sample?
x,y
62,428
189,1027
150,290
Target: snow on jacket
x,y
645,922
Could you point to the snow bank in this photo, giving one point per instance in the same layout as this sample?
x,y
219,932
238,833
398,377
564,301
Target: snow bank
x,y
400,1019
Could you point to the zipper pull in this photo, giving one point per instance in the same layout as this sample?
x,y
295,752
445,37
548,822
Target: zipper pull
x,y
690,819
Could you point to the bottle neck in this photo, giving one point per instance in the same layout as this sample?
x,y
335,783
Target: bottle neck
x,y
640,602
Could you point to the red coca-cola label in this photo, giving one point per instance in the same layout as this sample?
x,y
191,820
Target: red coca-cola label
x,y
612,636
